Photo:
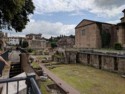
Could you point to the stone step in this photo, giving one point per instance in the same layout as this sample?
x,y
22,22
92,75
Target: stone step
x,y
15,70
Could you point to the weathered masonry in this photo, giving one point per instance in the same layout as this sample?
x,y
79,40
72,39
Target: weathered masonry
x,y
105,61
93,34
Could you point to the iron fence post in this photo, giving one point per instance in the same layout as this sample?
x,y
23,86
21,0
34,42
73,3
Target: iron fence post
x,y
29,76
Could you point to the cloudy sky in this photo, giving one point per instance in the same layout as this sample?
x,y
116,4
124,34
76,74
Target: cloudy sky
x,y
59,17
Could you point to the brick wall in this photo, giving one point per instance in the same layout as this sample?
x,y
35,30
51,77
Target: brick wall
x,y
87,34
87,37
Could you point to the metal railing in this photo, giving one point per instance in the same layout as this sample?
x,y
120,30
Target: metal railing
x,y
32,87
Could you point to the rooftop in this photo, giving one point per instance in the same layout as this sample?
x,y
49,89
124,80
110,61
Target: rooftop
x,y
93,22
123,11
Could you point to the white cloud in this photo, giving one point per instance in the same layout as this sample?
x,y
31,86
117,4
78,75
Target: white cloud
x,y
114,21
103,12
50,6
110,3
77,13
47,29
103,8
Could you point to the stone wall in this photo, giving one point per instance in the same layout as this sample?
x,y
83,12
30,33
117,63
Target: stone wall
x,y
113,63
57,59
37,44
121,30
83,39
71,57
121,65
121,35
83,58
88,34
108,63
94,61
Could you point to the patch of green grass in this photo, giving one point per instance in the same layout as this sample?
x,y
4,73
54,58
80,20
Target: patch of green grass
x,y
41,57
52,63
89,80
43,86
35,65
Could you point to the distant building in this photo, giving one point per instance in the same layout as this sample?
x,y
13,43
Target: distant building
x,y
33,36
121,30
94,34
36,41
66,42
37,44
14,40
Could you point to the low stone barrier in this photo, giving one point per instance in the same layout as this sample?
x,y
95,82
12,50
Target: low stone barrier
x,y
106,61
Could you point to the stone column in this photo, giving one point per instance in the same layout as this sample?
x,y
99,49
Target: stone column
x,y
24,63
121,35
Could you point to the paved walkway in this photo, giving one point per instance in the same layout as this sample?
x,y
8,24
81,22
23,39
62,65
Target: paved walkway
x,y
59,82
14,56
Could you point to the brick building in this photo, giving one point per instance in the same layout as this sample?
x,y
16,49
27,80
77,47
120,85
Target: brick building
x,y
121,30
94,34
36,41
33,36
14,40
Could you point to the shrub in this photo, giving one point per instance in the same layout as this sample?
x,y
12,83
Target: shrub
x,y
24,44
53,45
46,53
118,46
30,50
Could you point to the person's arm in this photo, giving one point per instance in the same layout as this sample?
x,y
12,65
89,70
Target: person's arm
x,y
10,55
1,59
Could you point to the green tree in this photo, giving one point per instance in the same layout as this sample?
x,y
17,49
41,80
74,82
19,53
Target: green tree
x,y
50,39
53,44
118,46
14,14
24,44
20,42
72,36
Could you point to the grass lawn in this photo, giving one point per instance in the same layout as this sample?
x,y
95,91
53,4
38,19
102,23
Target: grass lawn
x,y
43,86
89,80
43,56
35,65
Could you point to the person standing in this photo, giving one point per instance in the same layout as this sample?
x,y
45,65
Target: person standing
x,y
3,60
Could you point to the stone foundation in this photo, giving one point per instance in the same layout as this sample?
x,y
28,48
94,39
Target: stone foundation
x,y
83,59
94,60
121,65
108,63
105,61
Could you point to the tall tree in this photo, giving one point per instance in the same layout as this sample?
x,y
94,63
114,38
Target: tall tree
x,y
25,44
14,14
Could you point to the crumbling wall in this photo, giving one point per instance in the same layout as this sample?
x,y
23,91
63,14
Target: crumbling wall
x,y
121,65
113,63
108,63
